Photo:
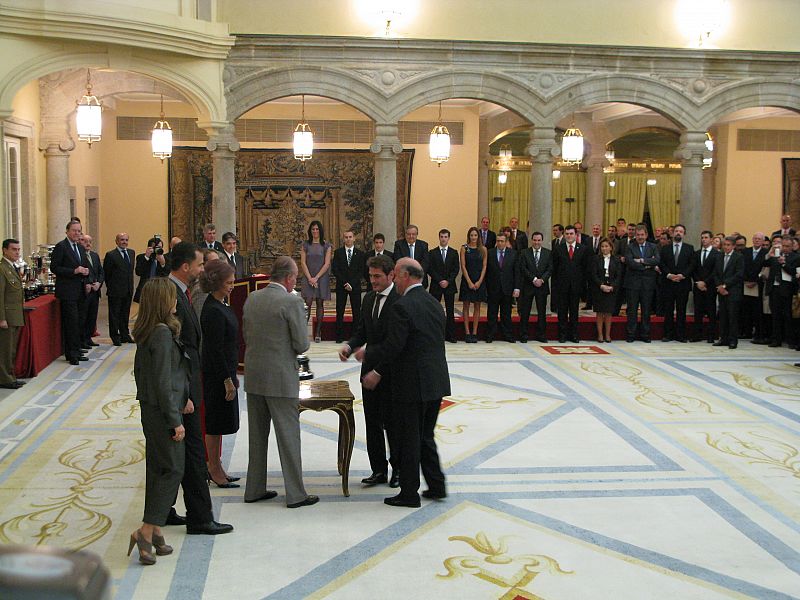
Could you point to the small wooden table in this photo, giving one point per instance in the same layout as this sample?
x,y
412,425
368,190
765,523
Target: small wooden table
x,y
335,396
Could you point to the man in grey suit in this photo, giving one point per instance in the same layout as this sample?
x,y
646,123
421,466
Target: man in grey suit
x,y
275,333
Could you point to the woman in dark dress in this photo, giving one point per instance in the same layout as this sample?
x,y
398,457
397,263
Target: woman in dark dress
x,y
606,275
473,284
220,356
150,264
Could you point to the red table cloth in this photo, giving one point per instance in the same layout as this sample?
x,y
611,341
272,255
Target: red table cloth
x,y
39,341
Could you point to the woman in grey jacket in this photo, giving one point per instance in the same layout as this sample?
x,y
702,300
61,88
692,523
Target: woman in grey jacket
x,y
161,371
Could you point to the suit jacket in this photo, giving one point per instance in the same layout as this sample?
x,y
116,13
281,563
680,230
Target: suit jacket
x,y
369,255
570,274
220,355
371,332
119,274
622,245
239,271
778,232
589,241
753,266
491,238
352,273
270,360
557,242
142,269
641,276
96,272
776,271
705,272
414,349
217,246
520,241
597,271
444,269
420,255
732,276
161,370
12,295
527,270
191,338
683,265
63,263
501,281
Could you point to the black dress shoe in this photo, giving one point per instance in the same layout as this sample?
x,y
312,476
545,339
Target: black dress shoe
x,y
85,348
127,340
431,495
523,340
10,386
400,501
174,518
629,340
542,339
562,340
510,340
210,528
83,358
307,502
116,342
774,345
666,339
268,495
20,383
733,345
394,482
91,343
681,340
452,340
575,340
374,479
488,340
74,361
646,340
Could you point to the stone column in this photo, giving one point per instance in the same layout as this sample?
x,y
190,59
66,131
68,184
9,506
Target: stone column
x,y
709,185
484,162
386,147
691,152
223,146
57,167
543,149
594,194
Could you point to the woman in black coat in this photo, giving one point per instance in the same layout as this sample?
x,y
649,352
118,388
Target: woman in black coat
x,y
150,264
605,273
220,356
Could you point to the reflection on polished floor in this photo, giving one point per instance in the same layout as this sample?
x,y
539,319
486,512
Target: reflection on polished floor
x,y
612,471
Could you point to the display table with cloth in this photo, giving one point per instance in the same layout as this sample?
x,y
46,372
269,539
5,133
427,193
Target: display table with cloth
x,y
39,341
335,396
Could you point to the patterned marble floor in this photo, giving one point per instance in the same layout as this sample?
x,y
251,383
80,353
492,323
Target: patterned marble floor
x,y
611,471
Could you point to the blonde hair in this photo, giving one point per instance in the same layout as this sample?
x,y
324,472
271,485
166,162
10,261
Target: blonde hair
x,y
157,299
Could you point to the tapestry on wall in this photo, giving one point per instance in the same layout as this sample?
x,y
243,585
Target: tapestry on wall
x,y
791,187
277,197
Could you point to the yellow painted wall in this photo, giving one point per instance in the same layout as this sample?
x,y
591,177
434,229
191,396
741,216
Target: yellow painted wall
x,y
749,185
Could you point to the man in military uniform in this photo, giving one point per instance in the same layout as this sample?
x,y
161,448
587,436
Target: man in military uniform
x,y
12,297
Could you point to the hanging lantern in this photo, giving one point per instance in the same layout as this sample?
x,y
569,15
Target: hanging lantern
x,y
439,146
572,146
707,162
303,137
610,154
88,116
502,177
161,138
556,174
505,152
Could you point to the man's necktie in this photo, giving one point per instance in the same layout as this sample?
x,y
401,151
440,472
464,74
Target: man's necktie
x,y
232,261
153,265
536,258
349,256
677,250
77,252
483,234
377,308
725,262
571,251
594,245
411,251
89,258
188,296
703,258
500,259
641,250
444,254
126,257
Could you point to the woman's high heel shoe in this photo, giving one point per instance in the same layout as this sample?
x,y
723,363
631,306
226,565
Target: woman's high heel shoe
x,y
145,548
161,546
227,483
232,479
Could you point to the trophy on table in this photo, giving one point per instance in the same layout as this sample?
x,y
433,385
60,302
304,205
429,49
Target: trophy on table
x,y
303,367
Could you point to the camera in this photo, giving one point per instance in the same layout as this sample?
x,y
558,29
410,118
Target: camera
x,y
159,251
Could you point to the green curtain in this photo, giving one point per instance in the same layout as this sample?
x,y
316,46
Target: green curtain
x,y
515,198
571,184
630,193
662,199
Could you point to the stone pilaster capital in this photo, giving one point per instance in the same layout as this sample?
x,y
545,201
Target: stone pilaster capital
x,y
387,140
543,147
692,149
221,136
57,147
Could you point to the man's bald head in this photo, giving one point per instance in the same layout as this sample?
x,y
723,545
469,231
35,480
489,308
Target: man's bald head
x,y
407,272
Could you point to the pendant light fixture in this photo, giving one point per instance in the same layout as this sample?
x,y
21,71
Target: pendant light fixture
x,y
505,152
88,116
439,146
303,137
161,138
707,162
502,177
572,146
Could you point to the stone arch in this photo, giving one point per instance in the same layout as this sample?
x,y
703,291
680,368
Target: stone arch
x,y
201,98
780,94
638,90
499,89
505,132
257,88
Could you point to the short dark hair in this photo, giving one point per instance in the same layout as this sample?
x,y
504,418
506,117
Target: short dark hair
x,y
641,227
182,254
741,237
732,239
447,231
229,235
214,275
72,222
559,226
621,219
8,242
379,236
153,242
706,231
568,227
678,225
382,262
539,233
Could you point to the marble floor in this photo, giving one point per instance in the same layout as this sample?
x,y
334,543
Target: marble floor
x,y
588,471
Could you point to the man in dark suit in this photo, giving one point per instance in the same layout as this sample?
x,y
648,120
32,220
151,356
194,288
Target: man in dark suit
x,y
501,286
781,286
786,227
411,247
705,294
570,267
488,237
378,249
236,260
534,267
348,269
186,266
210,238
752,317
371,330
68,263
414,352
94,281
118,267
729,282
593,242
558,238
444,268
677,262
641,260
519,239
12,297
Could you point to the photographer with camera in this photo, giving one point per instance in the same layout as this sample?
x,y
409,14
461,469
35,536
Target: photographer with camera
x,y
150,264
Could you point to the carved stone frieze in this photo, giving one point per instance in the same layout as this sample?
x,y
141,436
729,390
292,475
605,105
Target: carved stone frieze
x,y
545,82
